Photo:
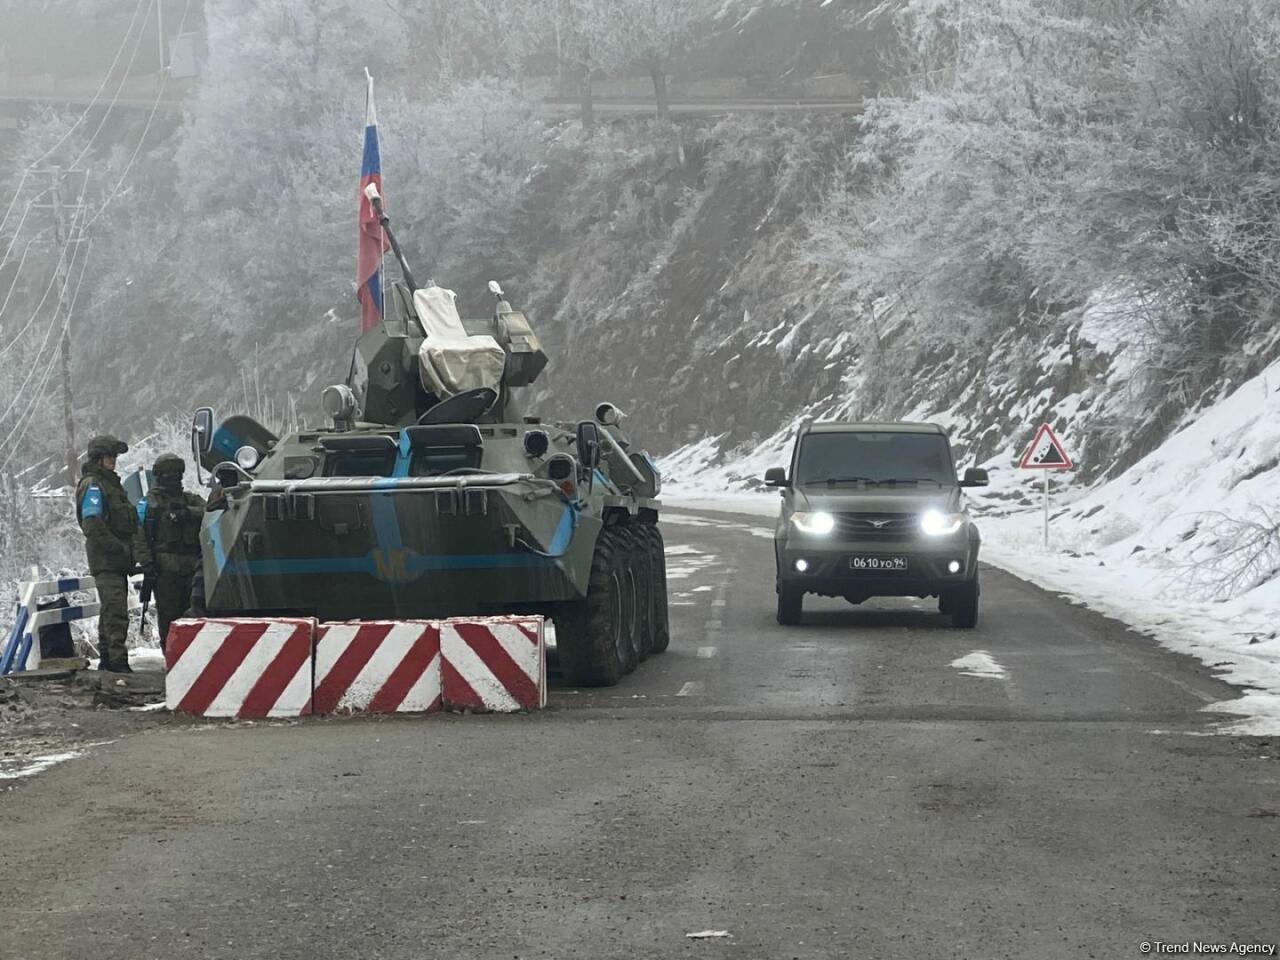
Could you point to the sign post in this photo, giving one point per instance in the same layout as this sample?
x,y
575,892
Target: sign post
x,y
1046,453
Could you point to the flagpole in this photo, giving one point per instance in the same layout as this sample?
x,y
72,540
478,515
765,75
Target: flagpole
x,y
382,232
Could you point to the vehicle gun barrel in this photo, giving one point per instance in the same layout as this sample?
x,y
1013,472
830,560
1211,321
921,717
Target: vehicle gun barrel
x,y
371,192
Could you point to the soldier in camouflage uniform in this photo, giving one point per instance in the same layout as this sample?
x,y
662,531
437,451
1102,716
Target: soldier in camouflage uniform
x,y
168,541
109,522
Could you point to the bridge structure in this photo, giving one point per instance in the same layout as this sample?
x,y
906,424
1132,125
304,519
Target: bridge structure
x,y
20,95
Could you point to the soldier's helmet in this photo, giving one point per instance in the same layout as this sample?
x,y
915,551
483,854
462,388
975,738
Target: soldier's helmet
x,y
169,466
105,445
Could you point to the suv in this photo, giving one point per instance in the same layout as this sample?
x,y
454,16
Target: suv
x,y
875,510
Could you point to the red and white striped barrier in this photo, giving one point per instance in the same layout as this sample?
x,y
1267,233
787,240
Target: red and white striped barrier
x,y
239,667
377,667
496,664
288,667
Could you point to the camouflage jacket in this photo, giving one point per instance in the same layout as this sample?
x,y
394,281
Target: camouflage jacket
x,y
107,518
168,537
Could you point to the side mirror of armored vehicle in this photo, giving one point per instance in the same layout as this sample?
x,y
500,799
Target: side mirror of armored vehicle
x,y
775,477
975,477
201,438
588,442
202,431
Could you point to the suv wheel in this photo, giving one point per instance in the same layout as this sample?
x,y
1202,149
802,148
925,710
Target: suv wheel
x,y
964,606
790,605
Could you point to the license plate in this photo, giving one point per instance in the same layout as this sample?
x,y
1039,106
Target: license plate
x,y
878,564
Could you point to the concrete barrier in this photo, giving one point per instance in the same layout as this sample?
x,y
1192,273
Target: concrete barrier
x,y
283,667
377,667
244,668
494,664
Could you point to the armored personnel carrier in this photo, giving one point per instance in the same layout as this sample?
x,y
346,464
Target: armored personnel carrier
x,y
431,494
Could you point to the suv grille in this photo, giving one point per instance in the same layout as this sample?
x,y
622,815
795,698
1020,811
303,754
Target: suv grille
x,y
888,527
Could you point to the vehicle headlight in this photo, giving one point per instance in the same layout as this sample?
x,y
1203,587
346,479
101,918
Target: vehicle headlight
x,y
935,523
820,523
247,458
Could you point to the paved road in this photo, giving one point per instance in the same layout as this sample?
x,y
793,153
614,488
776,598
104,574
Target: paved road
x,y
832,790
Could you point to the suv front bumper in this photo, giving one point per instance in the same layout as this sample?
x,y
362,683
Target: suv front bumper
x,y
832,568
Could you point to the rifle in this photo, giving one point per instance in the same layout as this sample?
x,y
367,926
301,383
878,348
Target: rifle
x,y
144,594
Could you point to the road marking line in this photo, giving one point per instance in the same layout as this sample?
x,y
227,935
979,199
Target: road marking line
x,y
692,688
980,664
714,624
706,653
720,602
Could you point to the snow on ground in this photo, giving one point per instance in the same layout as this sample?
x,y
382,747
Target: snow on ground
x,y
20,767
1184,545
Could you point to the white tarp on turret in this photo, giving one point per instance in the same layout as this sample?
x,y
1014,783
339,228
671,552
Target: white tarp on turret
x,y
450,359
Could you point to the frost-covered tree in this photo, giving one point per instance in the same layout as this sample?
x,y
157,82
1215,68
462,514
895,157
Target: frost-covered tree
x,y
654,33
585,37
1050,149
268,157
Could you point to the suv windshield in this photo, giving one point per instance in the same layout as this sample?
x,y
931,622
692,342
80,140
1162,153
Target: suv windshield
x,y
874,458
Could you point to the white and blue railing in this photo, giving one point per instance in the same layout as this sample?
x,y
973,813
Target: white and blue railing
x,y
22,648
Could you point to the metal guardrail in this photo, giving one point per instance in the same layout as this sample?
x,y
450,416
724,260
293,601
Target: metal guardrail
x,y
22,649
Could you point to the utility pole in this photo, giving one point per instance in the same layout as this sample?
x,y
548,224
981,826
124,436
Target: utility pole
x,y
63,241
64,237
67,236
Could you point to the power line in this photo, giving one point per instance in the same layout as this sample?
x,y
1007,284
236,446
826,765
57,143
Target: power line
x,y
79,120
164,79
25,420
16,193
16,271
17,231
17,398
115,99
47,290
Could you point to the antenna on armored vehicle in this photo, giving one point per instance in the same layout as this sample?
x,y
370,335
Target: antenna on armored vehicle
x,y
375,201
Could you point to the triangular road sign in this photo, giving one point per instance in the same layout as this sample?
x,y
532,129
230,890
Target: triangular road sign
x,y
1046,452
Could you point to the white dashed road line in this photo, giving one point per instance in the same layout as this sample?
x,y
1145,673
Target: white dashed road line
x,y
690,689
980,664
706,653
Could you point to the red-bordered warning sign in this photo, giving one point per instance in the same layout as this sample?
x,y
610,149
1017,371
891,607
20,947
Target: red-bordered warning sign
x,y
1046,452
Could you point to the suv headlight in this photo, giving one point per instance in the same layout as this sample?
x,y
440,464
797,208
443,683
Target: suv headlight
x,y
820,523
935,523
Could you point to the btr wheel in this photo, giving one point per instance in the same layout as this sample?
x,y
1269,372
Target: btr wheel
x,y
661,615
635,609
642,558
591,637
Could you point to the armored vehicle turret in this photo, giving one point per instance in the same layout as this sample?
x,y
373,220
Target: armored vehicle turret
x,y
430,493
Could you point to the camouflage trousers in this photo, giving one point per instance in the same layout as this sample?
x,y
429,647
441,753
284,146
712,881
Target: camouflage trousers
x,y
113,616
173,597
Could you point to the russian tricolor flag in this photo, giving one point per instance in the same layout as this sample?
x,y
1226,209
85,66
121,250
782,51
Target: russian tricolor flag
x,y
373,241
